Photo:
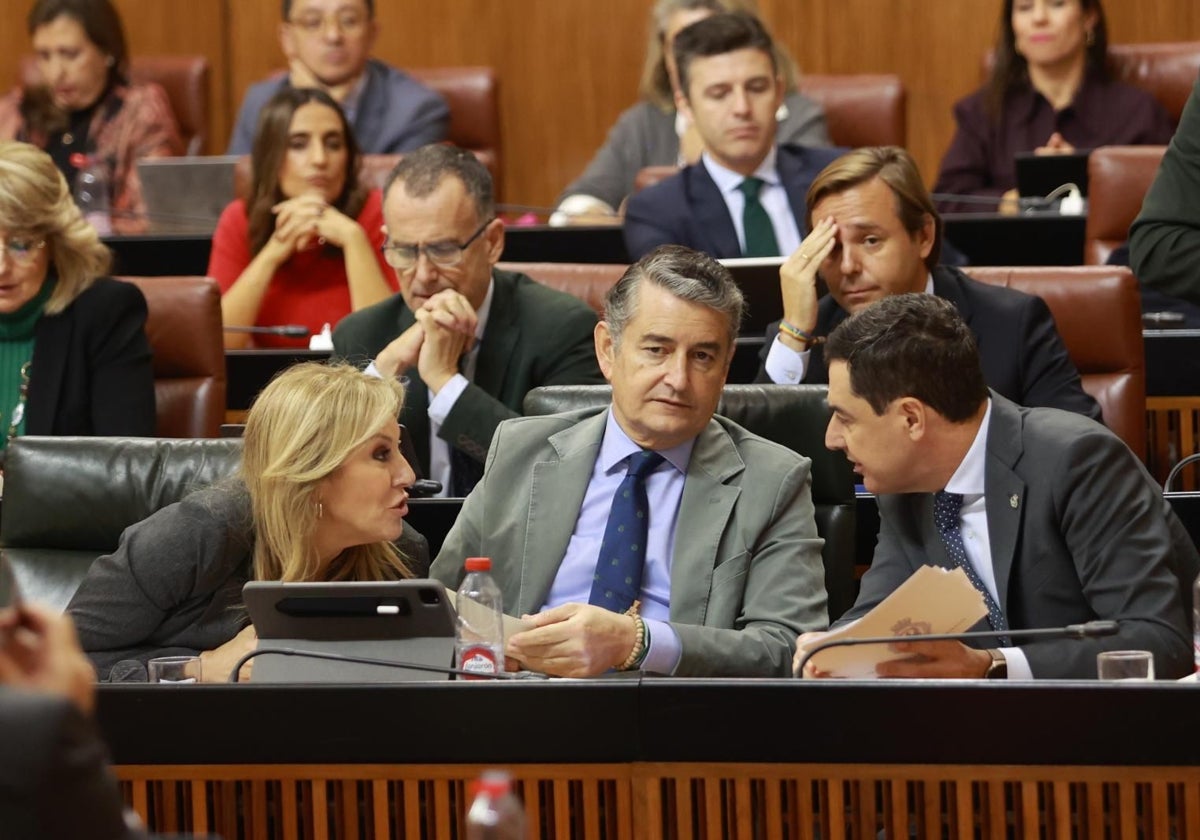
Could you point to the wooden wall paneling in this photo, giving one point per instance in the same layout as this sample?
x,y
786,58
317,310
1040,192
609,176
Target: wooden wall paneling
x,y
568,72
201,27
253,49
567,69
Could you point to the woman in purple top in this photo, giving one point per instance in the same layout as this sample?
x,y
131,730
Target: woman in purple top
x,y
1051,91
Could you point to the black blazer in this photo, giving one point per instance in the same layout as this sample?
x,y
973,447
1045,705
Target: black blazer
x,y
54,779
91,372
687,209
1022,355
534,336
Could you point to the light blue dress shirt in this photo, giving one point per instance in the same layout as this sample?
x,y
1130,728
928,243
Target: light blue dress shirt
x,y
664,492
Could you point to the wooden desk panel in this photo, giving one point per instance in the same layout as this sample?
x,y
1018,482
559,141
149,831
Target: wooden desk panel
x,y
660,758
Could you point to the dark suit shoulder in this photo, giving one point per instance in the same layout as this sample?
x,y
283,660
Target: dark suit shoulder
x,y
958,287
534,297
795,155
109,295
362,334
765,453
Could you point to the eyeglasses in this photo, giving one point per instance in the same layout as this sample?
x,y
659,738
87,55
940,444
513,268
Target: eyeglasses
x,y
350,23
443,254
22,249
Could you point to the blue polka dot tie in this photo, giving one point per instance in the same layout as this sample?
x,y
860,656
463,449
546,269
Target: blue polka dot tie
x,y
618,580
947,515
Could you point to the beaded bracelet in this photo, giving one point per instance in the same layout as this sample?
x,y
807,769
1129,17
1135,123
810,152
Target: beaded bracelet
x,y
640,645
799,334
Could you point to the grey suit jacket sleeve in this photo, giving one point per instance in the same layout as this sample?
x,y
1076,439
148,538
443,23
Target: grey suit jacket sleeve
x,y
1164,242
747,575
805,123
767,594
1116,532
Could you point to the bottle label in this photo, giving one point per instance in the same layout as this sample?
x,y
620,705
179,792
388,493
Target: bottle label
x,y
478,660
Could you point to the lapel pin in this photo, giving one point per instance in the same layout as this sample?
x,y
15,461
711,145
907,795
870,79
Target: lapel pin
x,y
1013,501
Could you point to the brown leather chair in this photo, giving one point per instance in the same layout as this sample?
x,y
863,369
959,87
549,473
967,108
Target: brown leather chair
x,y
589,282
1167,71
184,78
474,99
1118,178
1099,316
861,109
184,328
374,171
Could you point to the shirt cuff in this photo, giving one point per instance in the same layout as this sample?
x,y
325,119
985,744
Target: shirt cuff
x,y
784,365
662,657
1018,665
441,405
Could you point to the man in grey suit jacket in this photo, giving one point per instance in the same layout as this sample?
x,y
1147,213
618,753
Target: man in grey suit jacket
x,y
472,340
327,44
1048,512
732,567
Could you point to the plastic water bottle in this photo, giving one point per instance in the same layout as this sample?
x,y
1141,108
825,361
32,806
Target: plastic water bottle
x,y
495,814
479,641
92,194
1196,623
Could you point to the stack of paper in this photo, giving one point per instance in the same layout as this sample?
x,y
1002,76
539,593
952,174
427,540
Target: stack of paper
x,y
933,600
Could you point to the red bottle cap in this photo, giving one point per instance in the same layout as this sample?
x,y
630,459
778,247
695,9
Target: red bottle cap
x,y
479,564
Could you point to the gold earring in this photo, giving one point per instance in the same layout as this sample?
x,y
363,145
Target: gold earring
x,y
320,510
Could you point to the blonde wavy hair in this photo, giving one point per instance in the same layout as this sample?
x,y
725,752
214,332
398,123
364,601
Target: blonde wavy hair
x,y
655,84
35,199
302,427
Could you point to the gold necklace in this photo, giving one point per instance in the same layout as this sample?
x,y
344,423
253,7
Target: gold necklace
x,y
18,412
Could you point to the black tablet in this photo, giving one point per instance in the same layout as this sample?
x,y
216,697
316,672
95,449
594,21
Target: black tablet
x,y
407,622
1040,175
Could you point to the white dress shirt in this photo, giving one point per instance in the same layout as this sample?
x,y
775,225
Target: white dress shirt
x,y
786,366
773,198
441,403
968,480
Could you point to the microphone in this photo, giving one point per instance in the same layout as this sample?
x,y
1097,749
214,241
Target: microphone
x,y
424,488
991,200
286,330
1088,630
366,660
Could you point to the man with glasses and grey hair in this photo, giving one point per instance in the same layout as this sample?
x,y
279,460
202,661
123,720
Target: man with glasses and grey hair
x,y
471,339
650,534
327,44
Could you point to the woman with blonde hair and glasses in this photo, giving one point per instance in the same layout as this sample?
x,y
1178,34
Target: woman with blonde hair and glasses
x,y
653,133
74,358
320,496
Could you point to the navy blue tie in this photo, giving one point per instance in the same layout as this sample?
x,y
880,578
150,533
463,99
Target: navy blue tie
x,y
947,515
618,580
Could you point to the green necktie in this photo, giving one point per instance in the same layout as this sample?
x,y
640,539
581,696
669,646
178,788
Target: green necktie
x,y
760,233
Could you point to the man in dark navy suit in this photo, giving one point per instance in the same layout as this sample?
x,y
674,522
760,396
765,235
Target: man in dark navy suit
x,y
874,232
745,197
